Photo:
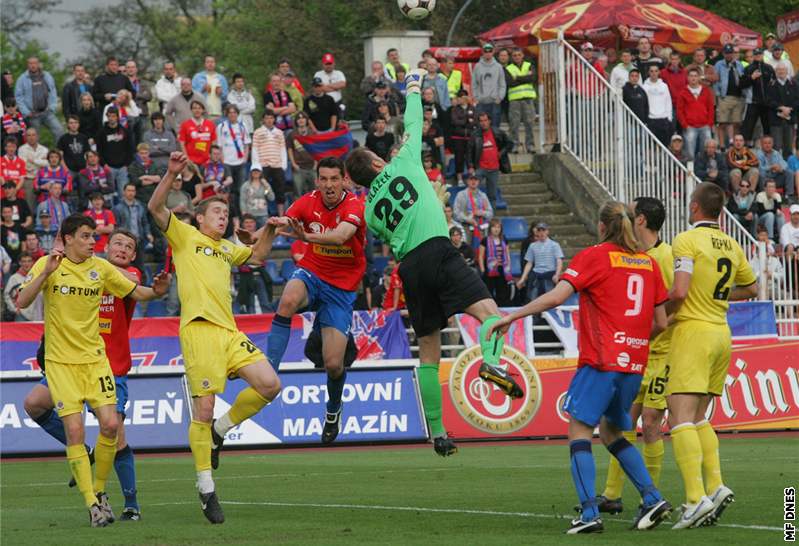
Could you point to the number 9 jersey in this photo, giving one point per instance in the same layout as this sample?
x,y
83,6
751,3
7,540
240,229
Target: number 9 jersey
x,y
618,295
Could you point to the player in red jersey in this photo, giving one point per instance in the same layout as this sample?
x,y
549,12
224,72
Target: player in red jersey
x,y
115,318
614,336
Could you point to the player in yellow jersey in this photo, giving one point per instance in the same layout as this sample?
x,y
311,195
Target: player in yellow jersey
x,y
213,347
73,281
710,270
649,215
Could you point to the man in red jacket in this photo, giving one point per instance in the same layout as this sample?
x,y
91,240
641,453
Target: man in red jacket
x,y
675,76
695,112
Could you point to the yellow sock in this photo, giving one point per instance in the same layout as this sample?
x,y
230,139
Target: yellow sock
x,y
248,403
81,470
104,452
200,443
653,459
688,453
614,485
711,465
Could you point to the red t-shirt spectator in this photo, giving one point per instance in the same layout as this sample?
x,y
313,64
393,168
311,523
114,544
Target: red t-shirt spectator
x,y
197,138
12,169
102,218
695,110
489,159
394,283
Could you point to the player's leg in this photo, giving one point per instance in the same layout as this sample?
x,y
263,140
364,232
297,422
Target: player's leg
x,y
610,499
653,450
430,388
105,451
124,463
334,345
39,406
294,297
78,457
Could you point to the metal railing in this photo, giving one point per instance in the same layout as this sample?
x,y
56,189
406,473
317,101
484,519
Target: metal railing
x,y
584,116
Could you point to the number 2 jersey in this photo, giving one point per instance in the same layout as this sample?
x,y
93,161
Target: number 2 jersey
x,y
402,208
115,316
715,261
618,295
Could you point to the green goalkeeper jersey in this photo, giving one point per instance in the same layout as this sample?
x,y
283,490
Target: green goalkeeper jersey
x,y
402,207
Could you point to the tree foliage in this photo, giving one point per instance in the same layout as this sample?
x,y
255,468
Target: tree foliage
x,y
20,17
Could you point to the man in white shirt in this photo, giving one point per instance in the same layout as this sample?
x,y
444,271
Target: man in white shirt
x,y
333,81
244,101
167,85
212,85
789,234
621,72
35,157
660,106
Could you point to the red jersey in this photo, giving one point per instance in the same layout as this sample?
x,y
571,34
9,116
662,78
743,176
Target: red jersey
x,y
342,266
388,298
103,218
198,139
115,316
489,159
298,248
618,295
12,169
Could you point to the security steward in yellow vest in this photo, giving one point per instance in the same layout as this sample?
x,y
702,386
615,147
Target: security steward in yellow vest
x,y
521,98
454,77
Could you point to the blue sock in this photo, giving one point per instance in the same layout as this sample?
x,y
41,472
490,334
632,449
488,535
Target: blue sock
x,y
633,465
334,389
126,472
278,340
52,425
584,476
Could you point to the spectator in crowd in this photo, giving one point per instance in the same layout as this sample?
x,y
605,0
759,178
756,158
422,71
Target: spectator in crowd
x,y
544,259
74,145
333,81
743,164
453,76
131,214
771,265
35,311
255,196
757,79
695,113
431,169
429,103
707,74
489,147
37,98
731,103
789,234
488,85
45,230
473,209
380,95
178,110
168,85
144,173
143,93
89,117
127,109
11,233
711,166
783,102
493,261
742,206
398,87
461,125
392,61
54,174
109,83
6,85
456,236
13,169
212,85
646,57
104,219
279,101
190,177
620,74
659,119
240,97
436,82
269,153
394,297
772,166
321,108
634,95
676,148
432,137
95,178
768,204
253,280
378,140
293,87
521,98
116,148
451,222
793,166
777,56
177,200
377,75
675,75
13,124
234,140
217,174
20,211
54,207
160,140
73,89
33,246
303,164
197,134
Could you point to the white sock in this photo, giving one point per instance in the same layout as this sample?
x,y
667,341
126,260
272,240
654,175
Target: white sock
x,y
223,424
205,482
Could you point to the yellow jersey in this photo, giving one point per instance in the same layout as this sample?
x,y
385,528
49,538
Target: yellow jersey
x,y
72,297
202,265
716,262
661,252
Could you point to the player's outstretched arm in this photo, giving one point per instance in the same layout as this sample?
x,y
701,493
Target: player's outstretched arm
x,y
263,246
562,291
660,321
158,290
413,119
157,204
743,292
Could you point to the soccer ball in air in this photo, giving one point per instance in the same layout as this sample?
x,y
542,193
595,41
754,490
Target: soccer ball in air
x,y
416,9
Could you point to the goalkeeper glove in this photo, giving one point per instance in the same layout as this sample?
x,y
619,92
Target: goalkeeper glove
x,y
441,192
413,81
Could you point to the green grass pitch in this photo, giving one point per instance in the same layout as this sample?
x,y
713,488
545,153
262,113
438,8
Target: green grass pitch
x,y
486,494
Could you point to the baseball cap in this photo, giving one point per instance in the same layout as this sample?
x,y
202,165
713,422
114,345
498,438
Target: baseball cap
x,y
328,58
675,137
316,81
728,48
794,209
488,46
770,35
757,51
776,46
542,225
587,45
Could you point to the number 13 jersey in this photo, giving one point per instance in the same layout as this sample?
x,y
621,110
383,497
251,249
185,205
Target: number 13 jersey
x,y
716,262
402,208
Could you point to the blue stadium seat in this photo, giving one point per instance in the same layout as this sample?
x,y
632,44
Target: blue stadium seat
x,y
156,308
287,268
516,264
515,228
271,268
500,204
453,192
281,243
379,263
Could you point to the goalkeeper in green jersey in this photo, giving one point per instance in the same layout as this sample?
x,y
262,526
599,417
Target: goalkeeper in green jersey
x,y
403,209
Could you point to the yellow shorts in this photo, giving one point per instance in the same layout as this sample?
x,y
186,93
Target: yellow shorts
x,y
73,384
653,386
699,357
212,353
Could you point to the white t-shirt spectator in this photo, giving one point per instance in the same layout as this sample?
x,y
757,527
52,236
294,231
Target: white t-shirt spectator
x,y
659,98
328,78
233,139
789,235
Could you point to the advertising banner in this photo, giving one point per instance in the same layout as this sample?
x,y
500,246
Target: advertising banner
x,y
379,405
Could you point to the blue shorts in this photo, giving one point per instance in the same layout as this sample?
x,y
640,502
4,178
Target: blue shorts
x,y
333,306
121,389
594,394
